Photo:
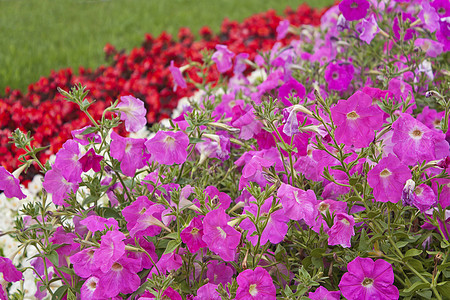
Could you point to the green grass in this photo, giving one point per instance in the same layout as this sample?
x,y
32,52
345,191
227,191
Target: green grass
x,y
41,35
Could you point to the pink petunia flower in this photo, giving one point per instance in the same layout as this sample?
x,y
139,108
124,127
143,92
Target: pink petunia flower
x,y
193,234
291,88
91,160
111,250
338,75
356,120
429,16
282,29
414,142
57,184
442,7
430,47
97,223
83,139
120,277
323,294
387,179
422,197
168,147
83,263
220,237
342,230
129,152
149,222
276,228
208,292
354,9
369,29
255,284
298,204
132,113
222,57
219,272
67,160
90,290
177,77
10,185
367,279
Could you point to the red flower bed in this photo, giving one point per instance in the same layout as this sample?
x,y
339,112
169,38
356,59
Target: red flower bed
x,y
143,73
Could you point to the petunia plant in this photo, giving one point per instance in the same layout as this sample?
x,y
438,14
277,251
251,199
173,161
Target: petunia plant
x,y
324,173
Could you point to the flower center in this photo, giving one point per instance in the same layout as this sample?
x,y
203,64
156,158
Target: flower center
x,y
385,173
352,115
354,5
117,267
441,11
323,206
416,134
252,290
437,123
127,147
223,234
194,231
92,285
418,191
90,253
345,222
143,210
335,75
367,282
169,141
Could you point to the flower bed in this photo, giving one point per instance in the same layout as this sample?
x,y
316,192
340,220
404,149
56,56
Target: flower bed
x,y
324,173
143,72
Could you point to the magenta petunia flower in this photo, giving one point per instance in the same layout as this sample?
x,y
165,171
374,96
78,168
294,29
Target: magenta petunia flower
x,y
367,279
429,16
111,249
10,185
214,197
369,29
291,88
220,237
330,206
132,112
192,235
83,263
9,271
323,294
67,160
177,77
208,292
282,29
276,228
255,284
298,204
97,223
430,47
219,272
169,262
149,222
240,65
83,139
222,57
90,291
134,211
57,184
422,197
338,75
414,142
387,179
397,29
168,147
354,9
356,120
342,230
442,8
120,277
246,121
91,160
129,152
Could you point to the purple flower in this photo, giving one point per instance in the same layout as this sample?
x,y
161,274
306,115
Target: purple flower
x,y
10,185
129,152
91,160
396,27
168,147
83,139
422,197
177,77
220,237
292,88
342,230
132,113
367,279
192,235
429,16
323,294
369,29
149,222
276,228
338,75
67,160
219,273
111,249
255,284
282,29
222,57
240,65
430,47
57,184
354,9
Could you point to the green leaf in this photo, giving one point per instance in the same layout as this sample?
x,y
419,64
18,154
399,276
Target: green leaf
x,y
53,257
413,252
67,270
401,244
415,286
60,292
194,140
416,264
363,241
70,295
444,288
317,252
171,246
89,130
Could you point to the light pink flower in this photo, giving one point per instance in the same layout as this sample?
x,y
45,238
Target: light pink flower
x,y
342,230
132,113
168,147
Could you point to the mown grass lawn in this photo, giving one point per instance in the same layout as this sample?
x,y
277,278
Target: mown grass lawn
x,y
40,35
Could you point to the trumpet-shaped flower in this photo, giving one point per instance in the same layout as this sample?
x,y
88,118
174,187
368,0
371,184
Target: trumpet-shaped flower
x,y
168,147
323,294
10,185
367,279
222,57
356,120
354,9
132,112
338,75
193,234
342,230
58,185
67,159
111,250
91,160
255,284
298,204
129,152
177,77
